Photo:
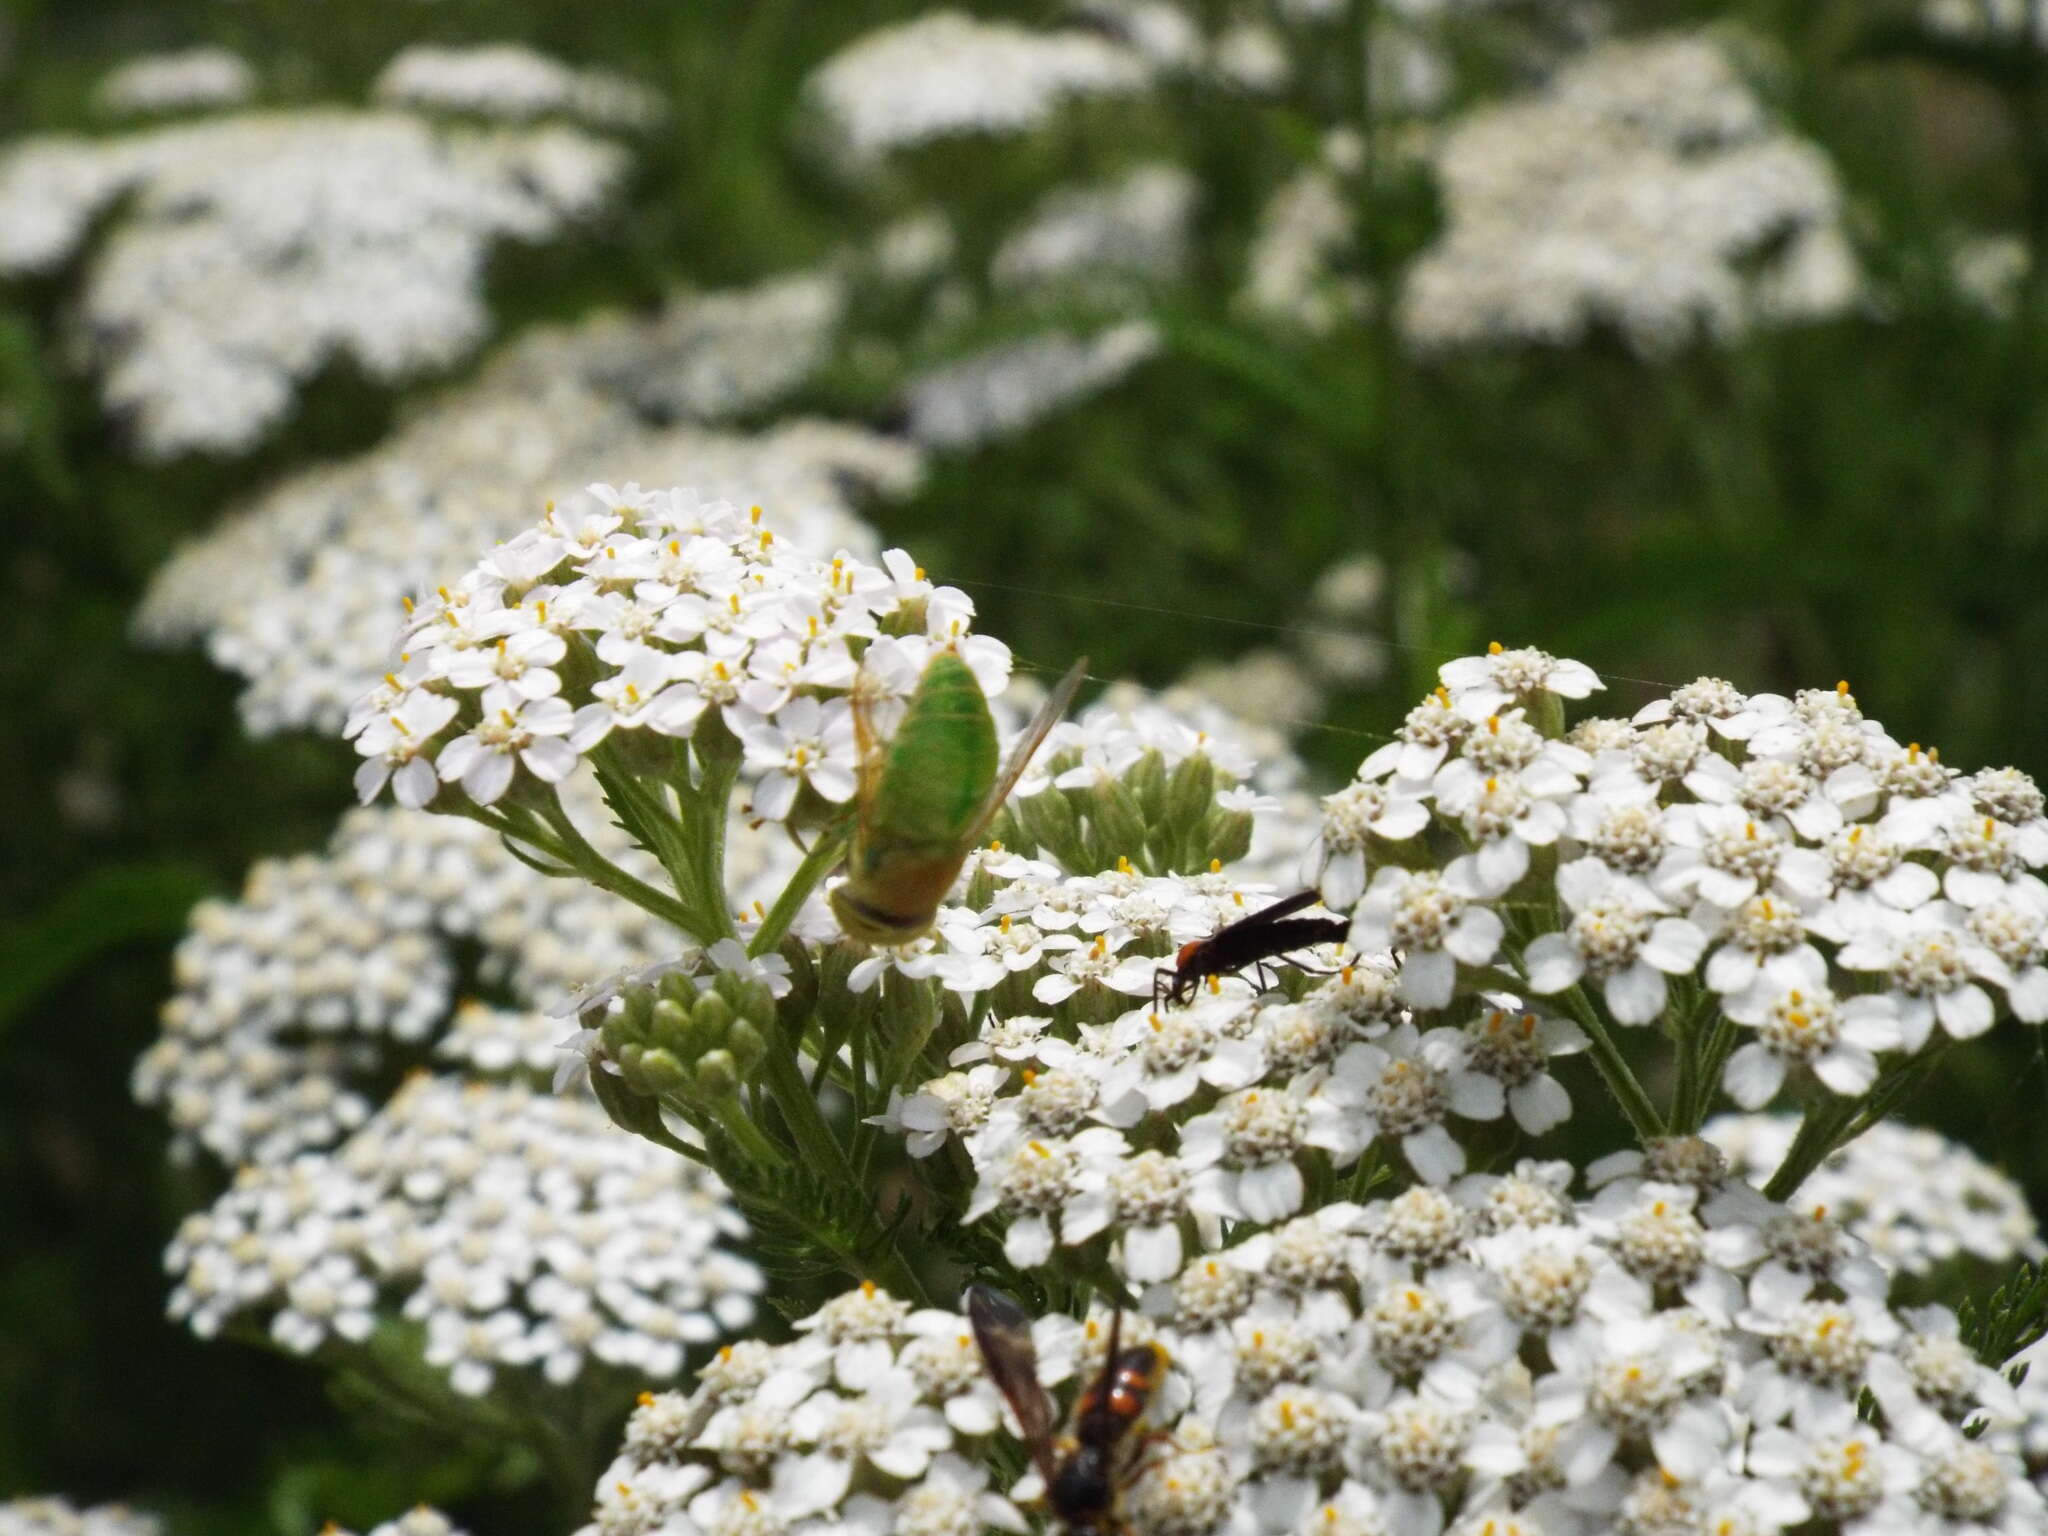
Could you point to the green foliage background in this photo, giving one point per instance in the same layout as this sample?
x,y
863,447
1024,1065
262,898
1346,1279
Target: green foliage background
x,y
1863,500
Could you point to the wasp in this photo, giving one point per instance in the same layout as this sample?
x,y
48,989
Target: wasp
x,y
1084,1469
1268,934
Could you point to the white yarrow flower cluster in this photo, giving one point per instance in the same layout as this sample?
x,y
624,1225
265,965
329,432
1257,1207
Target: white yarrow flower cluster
x,y
946,73
514,83
664,611
422,1520
254,249
1134,228
855,1421
176,82
1009,388
516,1229
1645,190
1916,1199
1493,1356
1987,20
289,997
60,1517
297,591
1836,896
1307,228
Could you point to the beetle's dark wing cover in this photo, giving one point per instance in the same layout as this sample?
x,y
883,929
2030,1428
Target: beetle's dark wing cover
x,y
1003,1330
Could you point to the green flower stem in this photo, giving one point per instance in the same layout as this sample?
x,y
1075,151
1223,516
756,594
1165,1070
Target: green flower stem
x,y
1820,1131
1614,1069
824,1156
577,851
1716,1046
821,860
706,807
1837,1122
731,1117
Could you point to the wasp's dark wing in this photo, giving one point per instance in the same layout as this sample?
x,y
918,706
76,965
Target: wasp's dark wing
x,y
1003,1330
1286,907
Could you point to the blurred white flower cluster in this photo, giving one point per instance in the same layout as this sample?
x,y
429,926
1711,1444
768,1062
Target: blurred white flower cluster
x,y
1133,228
2003,20
298,590
946,73
1006,389
1644,190
253,250
1671,1354
514,83
174,82
1308,226
422,1520
60,1517
2029,1439
514,1230
1914,1197
289,998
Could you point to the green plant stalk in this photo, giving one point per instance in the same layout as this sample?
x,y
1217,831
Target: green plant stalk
x,y
822,858
732,1118
1841,1121
578,857
822,1153
706,805
1614,1069
577,851
1715,1048
1820,1131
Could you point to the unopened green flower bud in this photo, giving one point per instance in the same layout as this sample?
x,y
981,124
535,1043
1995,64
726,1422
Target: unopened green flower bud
x,y
636,1008
617,1031
713,1016
1116,822
1049,820
748,998
669,1027
677,986
1146,782
657,1072
752,1000
1190,793
1230,836
630,1110
746,1044
718,1075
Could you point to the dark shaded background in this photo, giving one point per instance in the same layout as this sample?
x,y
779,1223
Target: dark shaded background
x,y
1863,499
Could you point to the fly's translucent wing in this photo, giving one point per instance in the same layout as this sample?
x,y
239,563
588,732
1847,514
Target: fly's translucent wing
x,y
1048,716
1003,1330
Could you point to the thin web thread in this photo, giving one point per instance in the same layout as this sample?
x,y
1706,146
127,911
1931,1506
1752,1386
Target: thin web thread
x,y
1296,724
1263,625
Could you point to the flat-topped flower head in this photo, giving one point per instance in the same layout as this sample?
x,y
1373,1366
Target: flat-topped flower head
x,y
673,610
517,1230
1432,924
1619,938
1501,679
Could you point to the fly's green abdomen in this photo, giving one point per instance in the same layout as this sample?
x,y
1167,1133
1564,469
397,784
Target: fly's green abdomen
x,y
939,766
